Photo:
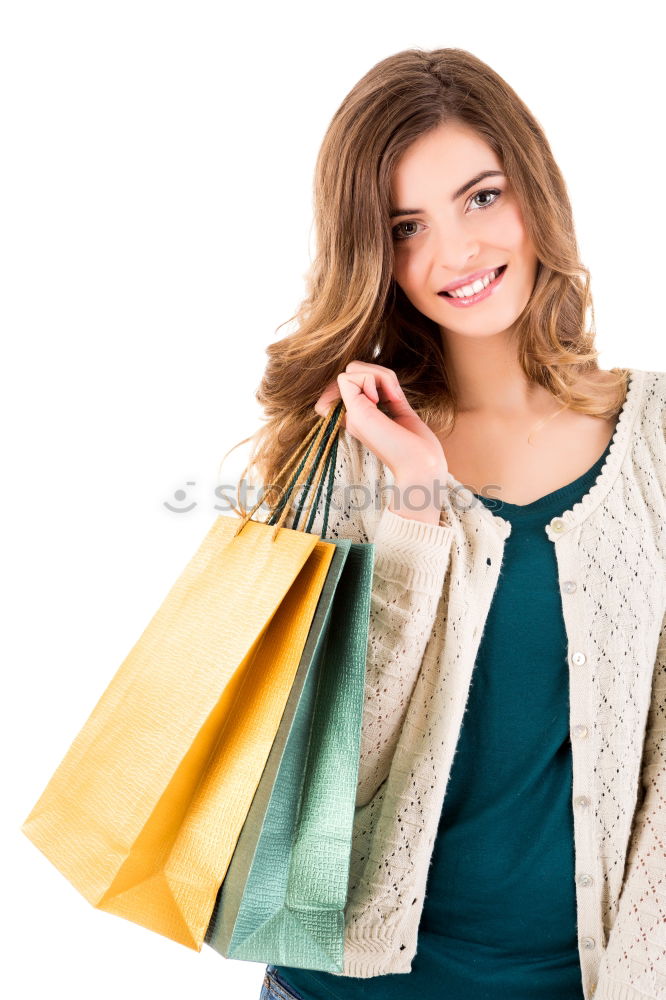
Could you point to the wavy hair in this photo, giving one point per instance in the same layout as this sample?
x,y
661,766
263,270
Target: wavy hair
x,y
354,309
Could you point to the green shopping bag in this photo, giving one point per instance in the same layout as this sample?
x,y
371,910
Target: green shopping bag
x,y
283,897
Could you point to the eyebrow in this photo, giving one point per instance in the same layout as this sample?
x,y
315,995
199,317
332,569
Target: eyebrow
x,y
475,180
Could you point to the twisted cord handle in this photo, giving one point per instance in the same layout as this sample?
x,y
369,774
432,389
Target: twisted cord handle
x,y
314,467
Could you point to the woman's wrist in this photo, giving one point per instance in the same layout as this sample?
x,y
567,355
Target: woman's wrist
x,y
419,496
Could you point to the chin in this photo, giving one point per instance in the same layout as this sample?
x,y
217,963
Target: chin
x,y
481,326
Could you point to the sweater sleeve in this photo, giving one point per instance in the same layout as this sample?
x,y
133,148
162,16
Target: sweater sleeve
x,y
410,562
634,961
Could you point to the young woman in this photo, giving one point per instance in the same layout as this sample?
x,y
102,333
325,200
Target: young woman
x,y
509,829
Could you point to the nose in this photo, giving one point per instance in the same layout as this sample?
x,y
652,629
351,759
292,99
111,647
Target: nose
x,y
455,248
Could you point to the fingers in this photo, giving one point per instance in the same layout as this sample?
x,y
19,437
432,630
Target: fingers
x,y
358,392
369,387
363,386
357,385
330,395
386,377
377,382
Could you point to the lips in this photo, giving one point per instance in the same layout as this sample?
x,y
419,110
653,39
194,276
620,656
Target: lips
x,y
498,271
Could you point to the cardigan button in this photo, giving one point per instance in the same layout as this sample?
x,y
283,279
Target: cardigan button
x,y
569,586
587,942
582,801
580,731
578,658
585,880
557,524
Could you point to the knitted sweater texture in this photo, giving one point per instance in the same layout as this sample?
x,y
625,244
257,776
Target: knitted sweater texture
x,y
432,589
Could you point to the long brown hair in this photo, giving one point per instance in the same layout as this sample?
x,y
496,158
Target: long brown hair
x,y
354,310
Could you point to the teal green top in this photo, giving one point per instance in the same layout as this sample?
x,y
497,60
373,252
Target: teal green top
x,y
494,924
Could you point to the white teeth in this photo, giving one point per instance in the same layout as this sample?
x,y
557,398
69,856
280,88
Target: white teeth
x,y
467,290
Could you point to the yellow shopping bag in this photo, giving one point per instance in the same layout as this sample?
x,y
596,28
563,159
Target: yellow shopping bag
x,y
144,811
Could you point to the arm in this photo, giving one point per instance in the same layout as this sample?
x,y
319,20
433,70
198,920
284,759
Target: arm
x,y
634,961
411,558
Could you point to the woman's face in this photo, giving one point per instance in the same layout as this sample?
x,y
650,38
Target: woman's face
x,y
443,234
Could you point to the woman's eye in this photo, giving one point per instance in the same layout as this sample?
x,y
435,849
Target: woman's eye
x,y
396,234
400,234
485,191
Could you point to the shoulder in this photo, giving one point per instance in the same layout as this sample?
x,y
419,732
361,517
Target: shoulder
x,y
654,392
652,415
649,427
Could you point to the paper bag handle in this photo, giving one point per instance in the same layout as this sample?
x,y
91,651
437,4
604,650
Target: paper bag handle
x,y
318,460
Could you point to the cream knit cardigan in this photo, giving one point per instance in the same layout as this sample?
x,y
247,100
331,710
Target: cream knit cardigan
x,y
432,589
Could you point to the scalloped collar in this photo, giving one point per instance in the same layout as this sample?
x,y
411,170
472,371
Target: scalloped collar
x,y
476,511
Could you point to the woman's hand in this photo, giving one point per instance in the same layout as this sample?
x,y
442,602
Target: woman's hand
x,y
398,438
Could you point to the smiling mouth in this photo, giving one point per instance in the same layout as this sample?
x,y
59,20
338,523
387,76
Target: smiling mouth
x,y
498,273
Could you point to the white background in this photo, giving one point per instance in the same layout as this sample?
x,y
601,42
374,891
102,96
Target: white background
x,y
155,186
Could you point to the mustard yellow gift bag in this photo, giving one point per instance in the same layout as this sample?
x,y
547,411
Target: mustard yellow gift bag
x,y
143,813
